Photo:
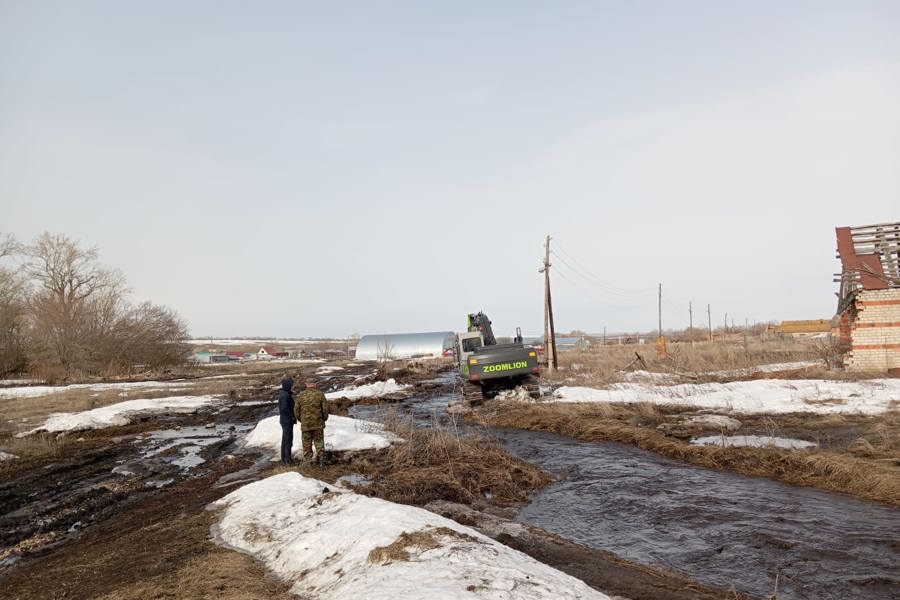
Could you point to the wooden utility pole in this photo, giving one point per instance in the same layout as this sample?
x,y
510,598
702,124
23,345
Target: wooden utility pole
x,y
659,306
549,330
709,317
691,321
745,334
660,340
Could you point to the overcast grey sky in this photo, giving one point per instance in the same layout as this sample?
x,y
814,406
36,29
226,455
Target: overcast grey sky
x,y
304,169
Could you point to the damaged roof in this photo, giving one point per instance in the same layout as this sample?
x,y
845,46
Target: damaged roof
x,y
870,258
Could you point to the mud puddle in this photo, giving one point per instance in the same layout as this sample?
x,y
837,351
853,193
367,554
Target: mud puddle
x,y
717,527
52,503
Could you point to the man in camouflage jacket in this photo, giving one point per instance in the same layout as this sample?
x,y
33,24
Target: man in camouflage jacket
x,y
311,409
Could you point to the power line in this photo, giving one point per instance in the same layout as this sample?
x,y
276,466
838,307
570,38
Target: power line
x,y
599,280
602,286
587,294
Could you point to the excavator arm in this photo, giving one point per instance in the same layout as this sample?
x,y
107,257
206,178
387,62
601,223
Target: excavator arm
x,y
480,322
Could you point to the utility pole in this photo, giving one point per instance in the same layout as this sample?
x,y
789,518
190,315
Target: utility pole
x,y
726,323
549,333
691,321
604,335
660,340
709,318
659,304
745,334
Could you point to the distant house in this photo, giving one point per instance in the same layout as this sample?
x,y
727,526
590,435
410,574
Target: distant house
x,y
801,328
269,352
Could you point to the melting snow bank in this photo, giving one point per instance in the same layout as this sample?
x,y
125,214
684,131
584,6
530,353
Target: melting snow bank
x,y
371,390
7,456
762,396
120,413
341,433
753,441
333,543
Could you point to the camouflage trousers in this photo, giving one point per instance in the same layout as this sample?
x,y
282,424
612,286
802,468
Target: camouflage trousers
x,y
311,436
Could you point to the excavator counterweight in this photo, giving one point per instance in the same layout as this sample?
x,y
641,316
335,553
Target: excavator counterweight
x,y
487,367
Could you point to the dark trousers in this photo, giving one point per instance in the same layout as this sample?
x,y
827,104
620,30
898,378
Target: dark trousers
x,y
287,440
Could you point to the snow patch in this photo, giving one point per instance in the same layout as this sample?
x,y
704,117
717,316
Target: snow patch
x,y
325,540
752,441
649,376
341,433
120,413
769,368
713,422
44,390
519,393
370,390
7,456
328,369
13,382
771,396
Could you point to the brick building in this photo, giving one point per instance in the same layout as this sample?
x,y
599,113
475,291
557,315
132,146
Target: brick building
x,y
869,300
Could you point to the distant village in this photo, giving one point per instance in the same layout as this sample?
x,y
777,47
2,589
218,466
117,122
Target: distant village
x,y
324,351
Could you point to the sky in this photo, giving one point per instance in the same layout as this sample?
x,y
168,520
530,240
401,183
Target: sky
x,y
326,169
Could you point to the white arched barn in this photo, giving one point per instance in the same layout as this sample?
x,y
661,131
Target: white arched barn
x,y
391,346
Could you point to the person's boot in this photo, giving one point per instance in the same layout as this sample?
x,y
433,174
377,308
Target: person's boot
x,y
320,459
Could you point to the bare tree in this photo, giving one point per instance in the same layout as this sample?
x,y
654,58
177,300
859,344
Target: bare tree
x,y
70,287
13,334
64,312
153,336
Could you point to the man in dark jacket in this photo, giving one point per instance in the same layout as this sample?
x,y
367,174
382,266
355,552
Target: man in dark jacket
x,y
286,418
312,410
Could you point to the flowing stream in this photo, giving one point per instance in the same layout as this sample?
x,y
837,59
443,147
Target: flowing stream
x,y
718,527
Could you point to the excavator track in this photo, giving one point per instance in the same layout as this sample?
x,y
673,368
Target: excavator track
x,y
472,393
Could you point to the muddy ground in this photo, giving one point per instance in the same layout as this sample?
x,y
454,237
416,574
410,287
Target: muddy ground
x,y
87,516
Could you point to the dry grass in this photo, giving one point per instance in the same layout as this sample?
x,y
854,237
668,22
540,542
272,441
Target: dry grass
x,y
421,541
212,572
37,446
603,364
439,463
870,437
21,414
827,469
218,574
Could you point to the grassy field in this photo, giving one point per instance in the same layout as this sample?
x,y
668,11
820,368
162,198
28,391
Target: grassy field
x,y
601,365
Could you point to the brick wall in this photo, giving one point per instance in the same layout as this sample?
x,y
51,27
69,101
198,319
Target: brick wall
x,y
875,332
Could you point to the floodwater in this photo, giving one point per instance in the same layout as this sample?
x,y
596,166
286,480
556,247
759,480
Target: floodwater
x,y
718,527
